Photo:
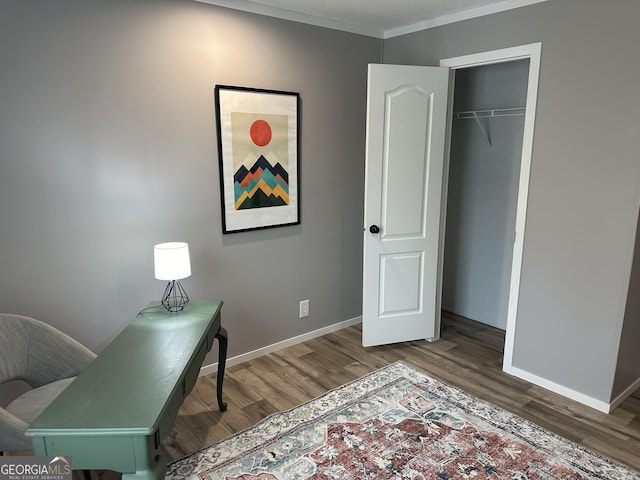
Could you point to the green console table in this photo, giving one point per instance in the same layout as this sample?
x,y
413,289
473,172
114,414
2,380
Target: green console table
x,y
114,415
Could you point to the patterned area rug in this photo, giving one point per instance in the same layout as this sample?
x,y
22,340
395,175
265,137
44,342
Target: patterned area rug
x,y
396,423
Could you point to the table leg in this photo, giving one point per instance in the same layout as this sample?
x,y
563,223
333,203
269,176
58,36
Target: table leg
x,y
223,339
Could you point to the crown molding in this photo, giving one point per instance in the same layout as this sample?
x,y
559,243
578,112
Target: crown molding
x,y
252,7
460,16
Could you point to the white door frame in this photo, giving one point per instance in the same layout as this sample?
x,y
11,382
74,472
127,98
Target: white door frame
x,y
532,52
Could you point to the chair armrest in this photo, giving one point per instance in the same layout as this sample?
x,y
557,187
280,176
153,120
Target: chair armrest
x,y
54,355
12,437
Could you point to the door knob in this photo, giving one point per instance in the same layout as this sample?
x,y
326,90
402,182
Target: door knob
x,y
374,229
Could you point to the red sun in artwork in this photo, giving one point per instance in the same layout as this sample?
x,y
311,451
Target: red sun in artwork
x,y
260,132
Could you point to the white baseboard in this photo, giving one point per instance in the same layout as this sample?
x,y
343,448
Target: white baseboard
x,y
212,368
624,395
560,389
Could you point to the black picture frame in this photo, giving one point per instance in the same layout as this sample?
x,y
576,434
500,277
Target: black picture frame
x,y
258,155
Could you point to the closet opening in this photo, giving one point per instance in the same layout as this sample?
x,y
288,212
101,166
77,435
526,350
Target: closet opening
x,y
489,106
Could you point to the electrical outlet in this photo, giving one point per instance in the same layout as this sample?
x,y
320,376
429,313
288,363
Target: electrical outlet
x,y
304,308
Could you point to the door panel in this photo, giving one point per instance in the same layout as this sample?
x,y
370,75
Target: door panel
x,y
397,272
406,121
403,186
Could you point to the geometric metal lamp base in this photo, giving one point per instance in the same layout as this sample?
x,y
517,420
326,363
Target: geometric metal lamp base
x,y
174,298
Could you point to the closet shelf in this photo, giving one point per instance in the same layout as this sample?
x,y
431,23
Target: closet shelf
x,y
496,112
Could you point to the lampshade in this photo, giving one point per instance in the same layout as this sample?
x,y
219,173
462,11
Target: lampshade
x,y
171,261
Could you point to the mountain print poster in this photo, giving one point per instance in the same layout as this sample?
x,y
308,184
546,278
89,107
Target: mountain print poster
x,y
258,155
260,160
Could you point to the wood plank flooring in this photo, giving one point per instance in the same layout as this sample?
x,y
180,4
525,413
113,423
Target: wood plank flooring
x,y
469,356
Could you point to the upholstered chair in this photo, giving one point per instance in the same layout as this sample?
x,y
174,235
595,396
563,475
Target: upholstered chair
x,y
47,360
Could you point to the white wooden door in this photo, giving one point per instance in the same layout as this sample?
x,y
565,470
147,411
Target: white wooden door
x,y
406,130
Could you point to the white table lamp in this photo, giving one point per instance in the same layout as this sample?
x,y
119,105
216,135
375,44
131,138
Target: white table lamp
x,y
171,263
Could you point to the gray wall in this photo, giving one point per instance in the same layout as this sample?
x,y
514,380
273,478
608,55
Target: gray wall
x,y
583,196
108,145
483,192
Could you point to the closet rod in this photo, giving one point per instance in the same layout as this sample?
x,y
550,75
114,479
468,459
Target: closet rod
x,y
496,112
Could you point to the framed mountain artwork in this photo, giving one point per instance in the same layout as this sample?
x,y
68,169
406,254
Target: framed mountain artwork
x,y
258,155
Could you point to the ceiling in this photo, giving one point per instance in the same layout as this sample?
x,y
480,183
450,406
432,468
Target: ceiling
x,y
376,18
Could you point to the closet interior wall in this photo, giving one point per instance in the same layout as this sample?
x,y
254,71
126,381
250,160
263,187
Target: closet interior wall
x,y
484,168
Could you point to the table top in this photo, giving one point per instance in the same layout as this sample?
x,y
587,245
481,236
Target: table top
x,y
127,387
